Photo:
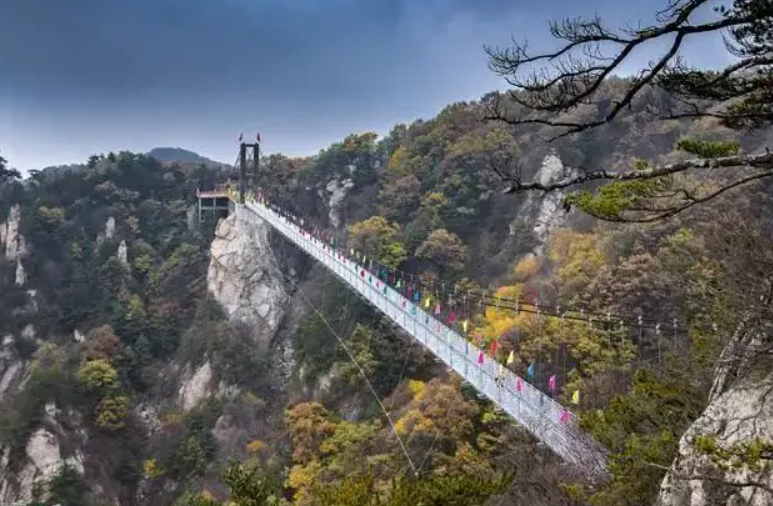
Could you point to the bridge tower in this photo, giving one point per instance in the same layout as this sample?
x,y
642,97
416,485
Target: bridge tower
x,y
249,162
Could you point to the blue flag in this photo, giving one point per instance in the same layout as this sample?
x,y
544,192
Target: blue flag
x,y
530,371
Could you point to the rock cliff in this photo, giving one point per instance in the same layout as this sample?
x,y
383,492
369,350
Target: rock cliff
x,y
243,275
740,410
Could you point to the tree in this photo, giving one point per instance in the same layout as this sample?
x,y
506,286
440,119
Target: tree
x,y
399,200
98,375
445,250
572,78
377,238
7,175
101,343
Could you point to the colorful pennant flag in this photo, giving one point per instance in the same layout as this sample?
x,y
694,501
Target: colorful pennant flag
x,y
511,358
437,309
464,325
552,383
480,358
426,302
564,417
530,371
494,346
576,397
518,384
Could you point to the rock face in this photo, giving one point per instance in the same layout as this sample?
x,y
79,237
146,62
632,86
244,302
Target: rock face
x,y
21,274
44,461
338,191
11,367
740,409
243,274
122,254
11,241
546,209
197,388
110,228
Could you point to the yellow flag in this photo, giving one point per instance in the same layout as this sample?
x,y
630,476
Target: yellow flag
x,y
511,358
426,302
464,325
352,251
501,370
576,397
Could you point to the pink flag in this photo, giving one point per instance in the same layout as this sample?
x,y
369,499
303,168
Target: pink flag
x,y
564,417
362,273
552,383
494,345
518,384
437,309
451,318
480,358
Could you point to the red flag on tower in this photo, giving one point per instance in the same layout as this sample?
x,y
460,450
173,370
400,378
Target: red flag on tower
x,y
257,136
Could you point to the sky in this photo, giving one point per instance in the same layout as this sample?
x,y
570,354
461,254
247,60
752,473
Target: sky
x,y
81,77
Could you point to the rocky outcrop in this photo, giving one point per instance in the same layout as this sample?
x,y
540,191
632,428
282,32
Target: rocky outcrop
x,y
21,274
12,243
243,274
123,254
338,191
11,367
44,462
546,209
110,228
196,388
740,410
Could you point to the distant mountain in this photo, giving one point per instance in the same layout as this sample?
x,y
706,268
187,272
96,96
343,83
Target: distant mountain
x,y
180,155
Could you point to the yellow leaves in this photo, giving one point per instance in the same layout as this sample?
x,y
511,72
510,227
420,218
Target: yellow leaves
x,y
417,388
172,417
255,446
112,411
578,258
397,166
527,267
302,478
135,308
500,320
98,375
151,469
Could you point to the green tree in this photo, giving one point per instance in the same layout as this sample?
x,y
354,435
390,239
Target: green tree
x,y
446,251
379,239
551,88
98,375
112,411
7,175
399,200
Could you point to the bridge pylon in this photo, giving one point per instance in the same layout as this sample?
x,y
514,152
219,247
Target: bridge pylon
x,y
249,162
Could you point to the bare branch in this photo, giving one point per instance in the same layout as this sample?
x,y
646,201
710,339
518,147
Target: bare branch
x,y
763,160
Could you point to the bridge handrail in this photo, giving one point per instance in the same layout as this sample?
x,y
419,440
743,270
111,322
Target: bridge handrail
x,y
542,415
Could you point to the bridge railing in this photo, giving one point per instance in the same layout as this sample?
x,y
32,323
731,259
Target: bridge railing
x,y
544,417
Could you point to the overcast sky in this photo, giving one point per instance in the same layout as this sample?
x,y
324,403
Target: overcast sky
x,y
79,77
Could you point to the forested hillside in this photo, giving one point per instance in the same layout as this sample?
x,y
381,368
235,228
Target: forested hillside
x,y
125,380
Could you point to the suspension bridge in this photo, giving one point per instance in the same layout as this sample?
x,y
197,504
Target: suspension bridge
x,y
436,330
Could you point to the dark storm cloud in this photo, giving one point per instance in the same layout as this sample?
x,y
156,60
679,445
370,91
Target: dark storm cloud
x,y
95,75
